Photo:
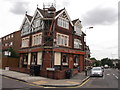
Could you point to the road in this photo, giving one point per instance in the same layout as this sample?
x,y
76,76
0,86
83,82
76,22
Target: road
x,y
16,85
109,80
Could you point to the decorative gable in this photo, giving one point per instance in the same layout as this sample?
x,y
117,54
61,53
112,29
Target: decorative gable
x,y
78,27
37,22
25,27
63,14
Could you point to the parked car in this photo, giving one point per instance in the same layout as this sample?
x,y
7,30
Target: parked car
x,y
97,71
106,66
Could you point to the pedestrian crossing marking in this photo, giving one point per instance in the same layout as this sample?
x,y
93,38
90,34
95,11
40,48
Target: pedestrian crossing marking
x,y
40,82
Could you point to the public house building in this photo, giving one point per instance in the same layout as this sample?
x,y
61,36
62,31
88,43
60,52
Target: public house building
x,y
53,42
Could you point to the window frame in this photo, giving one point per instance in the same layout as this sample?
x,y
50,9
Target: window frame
x,y
63,39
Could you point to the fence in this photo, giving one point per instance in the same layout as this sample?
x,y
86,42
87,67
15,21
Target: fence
x,y
9,62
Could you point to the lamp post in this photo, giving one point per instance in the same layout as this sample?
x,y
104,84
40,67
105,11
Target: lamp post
x,y
86,52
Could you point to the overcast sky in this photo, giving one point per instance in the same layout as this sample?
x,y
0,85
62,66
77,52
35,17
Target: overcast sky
x,y
100,14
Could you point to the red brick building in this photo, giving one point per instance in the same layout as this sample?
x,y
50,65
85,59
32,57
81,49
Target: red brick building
x,y
9,47
11,42
51,40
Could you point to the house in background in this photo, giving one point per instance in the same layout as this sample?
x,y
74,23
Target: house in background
x,y
53,42
10,45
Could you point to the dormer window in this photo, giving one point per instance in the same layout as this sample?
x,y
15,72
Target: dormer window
x,y
62,22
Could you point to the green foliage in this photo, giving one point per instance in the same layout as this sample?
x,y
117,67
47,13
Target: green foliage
x,y
107,61
93,58
13,53
97,63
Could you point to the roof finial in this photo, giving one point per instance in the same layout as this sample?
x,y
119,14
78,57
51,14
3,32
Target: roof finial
x,y
26,12
37,5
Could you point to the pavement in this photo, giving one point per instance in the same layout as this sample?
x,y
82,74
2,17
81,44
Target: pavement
x,y
76,80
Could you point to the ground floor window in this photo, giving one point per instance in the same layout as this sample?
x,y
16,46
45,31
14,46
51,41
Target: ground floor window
x,y
76,60
25,60
65,59
34,58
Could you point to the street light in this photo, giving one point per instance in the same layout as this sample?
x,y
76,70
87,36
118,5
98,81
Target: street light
x,y
86,52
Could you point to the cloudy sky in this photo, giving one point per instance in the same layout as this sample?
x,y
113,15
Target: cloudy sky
x,y
100,14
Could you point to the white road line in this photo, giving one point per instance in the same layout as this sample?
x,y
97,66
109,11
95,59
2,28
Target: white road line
x,y
108,74
116,77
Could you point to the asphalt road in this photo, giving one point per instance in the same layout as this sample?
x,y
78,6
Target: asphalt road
x,y
16,85
109,80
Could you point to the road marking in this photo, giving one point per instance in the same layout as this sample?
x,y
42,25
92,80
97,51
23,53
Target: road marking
x,y
72,82
40,82
50,87
82,83
108,74
115,76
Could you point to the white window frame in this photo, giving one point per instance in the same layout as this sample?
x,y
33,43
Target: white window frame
x,y
25,42
62,39
11,43
67,60
77,43
62,22
37,39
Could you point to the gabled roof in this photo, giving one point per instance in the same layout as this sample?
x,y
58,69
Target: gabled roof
x,y
74,21
43,12
59,11
29,17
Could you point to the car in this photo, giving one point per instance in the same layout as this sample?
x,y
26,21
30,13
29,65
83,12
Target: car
x,y
106,66
97,71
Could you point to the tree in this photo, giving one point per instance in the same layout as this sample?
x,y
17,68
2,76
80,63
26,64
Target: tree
x,y
107,61
93,58
13,53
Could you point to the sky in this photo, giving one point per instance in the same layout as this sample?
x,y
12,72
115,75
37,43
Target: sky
x,y
102,15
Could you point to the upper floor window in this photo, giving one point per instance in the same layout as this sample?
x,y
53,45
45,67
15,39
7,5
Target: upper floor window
x,y
63,23
11,43
26,29
62,39
37,39
6,44
37,23
77,43
25,42
12,35
78,30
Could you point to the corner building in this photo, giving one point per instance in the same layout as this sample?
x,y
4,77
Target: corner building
x,y
53,42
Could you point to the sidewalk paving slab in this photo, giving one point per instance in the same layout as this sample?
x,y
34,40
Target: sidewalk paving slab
x,y
42,81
